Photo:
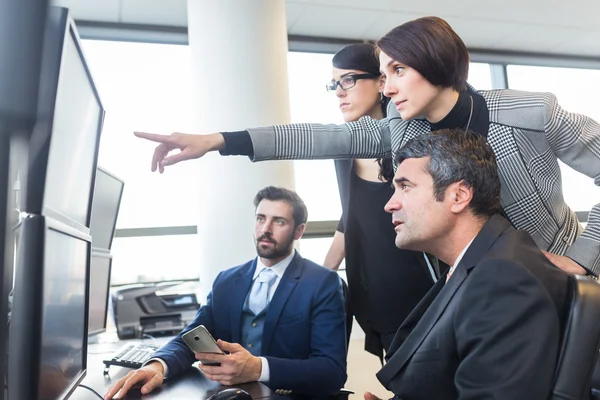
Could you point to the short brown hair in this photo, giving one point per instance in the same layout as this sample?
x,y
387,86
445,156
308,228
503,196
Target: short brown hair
x,y
272,193
431,47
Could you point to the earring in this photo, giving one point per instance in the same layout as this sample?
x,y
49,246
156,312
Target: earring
x,y
381,98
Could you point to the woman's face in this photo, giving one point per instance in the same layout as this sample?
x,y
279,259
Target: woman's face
x,y
362,99
412,94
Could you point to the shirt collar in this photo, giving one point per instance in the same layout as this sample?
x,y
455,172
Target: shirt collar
x,y
460,256
278,268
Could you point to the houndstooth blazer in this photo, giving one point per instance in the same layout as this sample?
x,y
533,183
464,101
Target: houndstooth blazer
x,y
528,132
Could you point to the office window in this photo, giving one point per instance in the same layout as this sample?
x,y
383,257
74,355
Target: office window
x,y
315,180
154,258
146,87
480,76
576,91
315,250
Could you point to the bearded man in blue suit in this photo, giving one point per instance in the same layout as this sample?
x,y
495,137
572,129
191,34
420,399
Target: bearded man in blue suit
x,y
295,344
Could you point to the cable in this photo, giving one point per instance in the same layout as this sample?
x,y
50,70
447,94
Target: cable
x,y
91,390
148,336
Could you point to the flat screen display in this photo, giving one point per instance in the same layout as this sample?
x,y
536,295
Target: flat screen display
x,y
63,337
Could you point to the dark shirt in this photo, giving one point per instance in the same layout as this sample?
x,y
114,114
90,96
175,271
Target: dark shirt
x,y
385,283
465,113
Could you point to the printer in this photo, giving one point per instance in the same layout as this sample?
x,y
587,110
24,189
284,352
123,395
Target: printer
x,y
154,309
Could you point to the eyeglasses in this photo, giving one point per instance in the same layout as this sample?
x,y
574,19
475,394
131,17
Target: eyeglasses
x,y
348,81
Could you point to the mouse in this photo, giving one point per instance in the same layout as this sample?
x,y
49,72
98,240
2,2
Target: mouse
x,y
231,394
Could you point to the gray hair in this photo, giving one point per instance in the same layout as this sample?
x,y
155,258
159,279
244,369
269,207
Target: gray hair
x,y
454,156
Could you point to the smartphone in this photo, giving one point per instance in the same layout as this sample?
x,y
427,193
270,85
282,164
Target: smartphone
x,y
199,340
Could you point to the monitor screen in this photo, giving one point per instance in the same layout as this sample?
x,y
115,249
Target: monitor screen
x,y
105,208
63,325
64,147
73,146
100,266
48,328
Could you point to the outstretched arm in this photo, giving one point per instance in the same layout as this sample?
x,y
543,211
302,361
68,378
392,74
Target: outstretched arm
x,y
365,138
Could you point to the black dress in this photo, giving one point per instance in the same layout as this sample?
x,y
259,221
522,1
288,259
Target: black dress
x,y
384,282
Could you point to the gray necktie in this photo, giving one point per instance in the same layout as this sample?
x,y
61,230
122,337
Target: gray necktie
x,y
259,295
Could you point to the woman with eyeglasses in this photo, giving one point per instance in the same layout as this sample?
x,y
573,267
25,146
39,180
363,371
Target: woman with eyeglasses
x,y
384,282
426,66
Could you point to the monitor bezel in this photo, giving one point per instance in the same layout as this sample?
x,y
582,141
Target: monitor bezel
x,y
95,252
41,139
122,189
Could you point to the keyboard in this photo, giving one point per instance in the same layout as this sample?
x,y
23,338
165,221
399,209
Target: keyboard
x,y
131,356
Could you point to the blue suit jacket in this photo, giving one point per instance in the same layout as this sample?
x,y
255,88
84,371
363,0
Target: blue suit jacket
x,y
304,337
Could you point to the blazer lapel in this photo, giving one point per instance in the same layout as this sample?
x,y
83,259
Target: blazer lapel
x,y
430,309
286,286
423,326
239,291
414,317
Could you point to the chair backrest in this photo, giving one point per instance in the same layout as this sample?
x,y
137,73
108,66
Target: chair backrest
x,y
580,340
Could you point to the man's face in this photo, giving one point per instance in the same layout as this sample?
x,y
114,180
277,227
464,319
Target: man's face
x,y
419,219
274,232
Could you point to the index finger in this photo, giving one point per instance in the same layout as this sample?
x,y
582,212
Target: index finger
x,y
128,384
154,137
114,389
210,356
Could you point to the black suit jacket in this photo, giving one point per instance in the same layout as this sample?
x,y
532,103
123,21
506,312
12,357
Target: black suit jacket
x,y
491,332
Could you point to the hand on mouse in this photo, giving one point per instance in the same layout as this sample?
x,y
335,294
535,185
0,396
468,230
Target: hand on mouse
x,y
150,376
239,366
371,396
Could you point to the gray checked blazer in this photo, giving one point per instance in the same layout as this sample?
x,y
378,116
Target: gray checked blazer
x,y
528,132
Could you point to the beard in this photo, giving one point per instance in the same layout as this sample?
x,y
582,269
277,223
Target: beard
x,y
275,249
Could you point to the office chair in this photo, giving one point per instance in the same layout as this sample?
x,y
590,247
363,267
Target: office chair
x,y
596,381
580,341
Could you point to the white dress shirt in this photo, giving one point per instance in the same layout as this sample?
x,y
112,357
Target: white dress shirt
x,y
279,270
460,256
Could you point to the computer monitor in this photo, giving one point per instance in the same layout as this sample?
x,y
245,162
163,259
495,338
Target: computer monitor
x,y
64,147
108,191
48,328
100,268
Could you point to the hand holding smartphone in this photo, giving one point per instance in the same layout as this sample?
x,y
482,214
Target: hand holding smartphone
x,y
199,340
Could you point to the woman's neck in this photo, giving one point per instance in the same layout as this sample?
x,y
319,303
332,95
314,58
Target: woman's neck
x,y
442,105
377,112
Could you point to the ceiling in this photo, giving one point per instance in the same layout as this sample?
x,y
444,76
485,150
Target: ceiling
x,y
536,26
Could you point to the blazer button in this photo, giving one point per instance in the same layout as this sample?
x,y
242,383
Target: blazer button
x,y
249,345
254,324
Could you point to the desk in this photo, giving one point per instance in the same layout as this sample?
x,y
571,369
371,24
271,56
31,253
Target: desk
x,y
191,385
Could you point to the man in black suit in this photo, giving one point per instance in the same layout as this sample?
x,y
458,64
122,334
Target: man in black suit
x,y
490,327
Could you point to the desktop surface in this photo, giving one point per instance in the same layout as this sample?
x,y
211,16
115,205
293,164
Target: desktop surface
x,y
191,385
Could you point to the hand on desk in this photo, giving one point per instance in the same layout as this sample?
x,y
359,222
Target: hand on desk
x,y
565,263
239,366
151,376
